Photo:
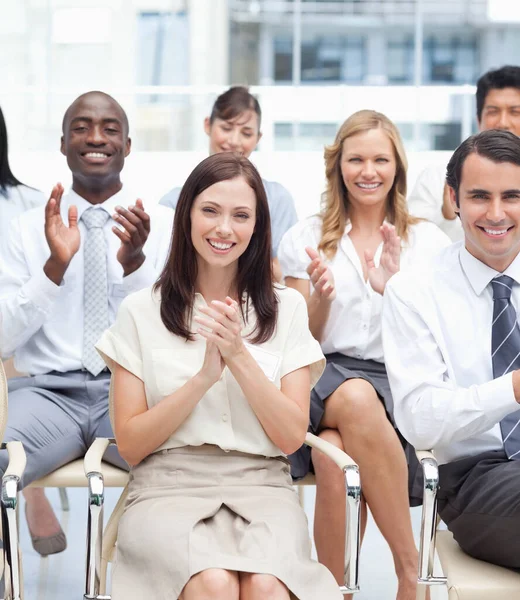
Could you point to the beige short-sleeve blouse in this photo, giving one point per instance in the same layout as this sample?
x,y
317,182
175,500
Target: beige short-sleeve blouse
x,y
139,342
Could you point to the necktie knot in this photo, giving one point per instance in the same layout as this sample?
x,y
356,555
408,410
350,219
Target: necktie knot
x,y
502,287
95,217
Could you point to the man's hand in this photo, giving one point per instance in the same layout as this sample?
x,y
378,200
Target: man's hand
x,y
63,241
390,259
136,228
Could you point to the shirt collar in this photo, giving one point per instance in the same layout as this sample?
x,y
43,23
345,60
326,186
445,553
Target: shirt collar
x,y
480,275
119,198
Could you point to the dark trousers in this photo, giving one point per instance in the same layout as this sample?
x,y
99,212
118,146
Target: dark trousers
x,y
479,500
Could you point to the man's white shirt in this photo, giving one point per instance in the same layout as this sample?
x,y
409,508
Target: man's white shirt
x,y
42,323
437,347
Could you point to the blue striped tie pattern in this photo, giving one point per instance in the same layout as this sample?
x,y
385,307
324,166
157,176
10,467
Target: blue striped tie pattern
x,y
95,294
505,349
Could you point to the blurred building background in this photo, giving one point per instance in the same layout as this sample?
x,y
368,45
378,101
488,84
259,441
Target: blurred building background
x,y
311,63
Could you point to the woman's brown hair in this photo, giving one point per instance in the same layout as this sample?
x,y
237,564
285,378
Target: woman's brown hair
x,y
234,102
335,209
254,277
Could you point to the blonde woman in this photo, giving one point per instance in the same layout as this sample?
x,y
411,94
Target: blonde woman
x,y
340,260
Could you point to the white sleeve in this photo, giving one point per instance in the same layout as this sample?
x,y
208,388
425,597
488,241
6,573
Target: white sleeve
x,y
26,301
425,200
291,252
429,408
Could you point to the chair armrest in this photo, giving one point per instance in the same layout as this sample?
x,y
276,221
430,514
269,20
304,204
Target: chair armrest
x,y
17,459
94,455
342,459
353,508
424,454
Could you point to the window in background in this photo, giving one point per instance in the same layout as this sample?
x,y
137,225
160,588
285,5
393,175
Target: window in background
x,y
324,59
162,50
400,59
306,136
450,59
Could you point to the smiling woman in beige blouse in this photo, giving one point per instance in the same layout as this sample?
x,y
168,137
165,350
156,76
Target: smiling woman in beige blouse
x,y
211,371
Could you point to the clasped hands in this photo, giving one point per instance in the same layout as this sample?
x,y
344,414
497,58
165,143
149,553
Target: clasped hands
x,y
222,329
64,241
322,278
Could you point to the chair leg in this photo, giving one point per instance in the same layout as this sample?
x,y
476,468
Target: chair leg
x,y
12,556
64,499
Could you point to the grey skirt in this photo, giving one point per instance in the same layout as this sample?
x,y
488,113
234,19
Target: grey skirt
x,y
195,508
341,368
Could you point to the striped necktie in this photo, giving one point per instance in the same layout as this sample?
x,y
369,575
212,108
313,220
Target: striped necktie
x,y
505,348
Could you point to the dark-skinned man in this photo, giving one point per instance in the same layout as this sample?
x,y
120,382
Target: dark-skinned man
x,y
67,267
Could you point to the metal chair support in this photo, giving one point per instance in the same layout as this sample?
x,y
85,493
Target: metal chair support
x,y
429,521
96,501
353,518
8,507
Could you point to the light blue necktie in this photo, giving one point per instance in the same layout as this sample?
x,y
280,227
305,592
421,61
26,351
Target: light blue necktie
x,y
95,295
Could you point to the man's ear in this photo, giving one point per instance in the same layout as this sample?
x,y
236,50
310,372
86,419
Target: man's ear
x,y
453,200
128,146
62,146
260,134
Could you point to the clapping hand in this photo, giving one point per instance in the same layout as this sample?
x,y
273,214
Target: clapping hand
x,y
136,228
63,240
321,276
390,258
222,327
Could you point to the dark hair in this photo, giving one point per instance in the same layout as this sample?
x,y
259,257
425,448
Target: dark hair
x,y
496,145
6,175
233,103
254,278
505,77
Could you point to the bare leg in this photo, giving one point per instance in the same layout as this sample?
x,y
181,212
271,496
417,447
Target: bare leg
x,y
212,584
257,586
355,410
329,512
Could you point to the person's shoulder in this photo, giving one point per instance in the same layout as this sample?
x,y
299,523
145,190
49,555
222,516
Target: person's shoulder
x,y
171,198
288,298
426,230
309,227
275,188
435,172
423,281
143,301
31,196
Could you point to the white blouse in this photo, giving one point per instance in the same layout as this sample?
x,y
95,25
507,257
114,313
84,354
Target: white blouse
x,y
354,324
139,342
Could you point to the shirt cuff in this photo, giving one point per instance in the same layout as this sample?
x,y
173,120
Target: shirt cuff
x,y
41,291
143,277
497,397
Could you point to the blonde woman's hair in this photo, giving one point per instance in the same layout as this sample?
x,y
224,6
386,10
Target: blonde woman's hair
x,y
335,201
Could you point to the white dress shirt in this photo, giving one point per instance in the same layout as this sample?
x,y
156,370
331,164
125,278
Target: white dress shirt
x,y
42,323
19,199
437,342
139,342
354,324
426,201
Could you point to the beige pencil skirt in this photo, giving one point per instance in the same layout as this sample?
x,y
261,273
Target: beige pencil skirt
x,y
196,508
